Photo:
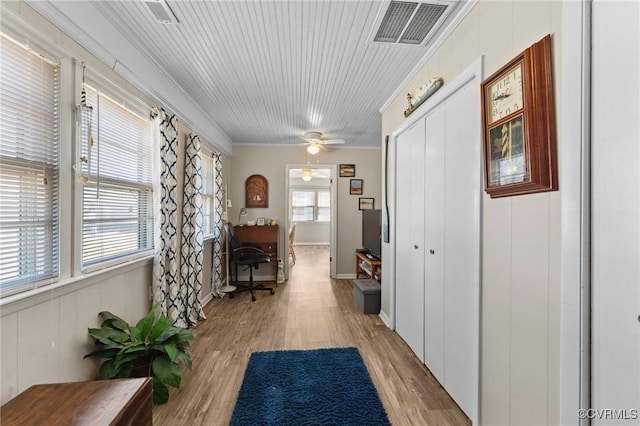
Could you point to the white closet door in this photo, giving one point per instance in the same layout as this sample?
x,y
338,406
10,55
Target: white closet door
x,y
410,238
462,248
434,243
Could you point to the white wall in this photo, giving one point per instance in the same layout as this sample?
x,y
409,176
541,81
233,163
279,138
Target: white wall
x,y
45,337
521,235
312,233
270,162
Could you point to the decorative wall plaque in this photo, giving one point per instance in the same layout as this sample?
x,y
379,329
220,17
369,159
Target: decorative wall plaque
x,y
256,190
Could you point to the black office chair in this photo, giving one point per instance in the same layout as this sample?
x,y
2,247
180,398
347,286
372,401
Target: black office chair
x,y
245,255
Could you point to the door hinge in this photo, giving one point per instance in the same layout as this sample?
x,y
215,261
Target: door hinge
x,y
330,259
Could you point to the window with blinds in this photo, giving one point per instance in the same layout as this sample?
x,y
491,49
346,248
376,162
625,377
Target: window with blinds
x,y
208,193
311,205
117,200
323,213
29,163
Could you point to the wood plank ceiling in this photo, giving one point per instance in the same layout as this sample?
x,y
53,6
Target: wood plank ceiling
x,y
268,71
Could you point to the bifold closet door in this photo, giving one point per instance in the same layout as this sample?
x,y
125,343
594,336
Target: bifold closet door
x,y
434,243
410,237
462,247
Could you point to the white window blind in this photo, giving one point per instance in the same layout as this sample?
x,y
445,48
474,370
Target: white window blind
x,y
324,206
311,205
29,151
117,213
303,205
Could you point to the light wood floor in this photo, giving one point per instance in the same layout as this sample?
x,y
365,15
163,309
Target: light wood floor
x,y
309,311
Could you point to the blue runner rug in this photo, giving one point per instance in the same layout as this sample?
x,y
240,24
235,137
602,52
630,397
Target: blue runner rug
x,y
313,387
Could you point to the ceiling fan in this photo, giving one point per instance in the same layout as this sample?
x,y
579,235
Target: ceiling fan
x,y
314,141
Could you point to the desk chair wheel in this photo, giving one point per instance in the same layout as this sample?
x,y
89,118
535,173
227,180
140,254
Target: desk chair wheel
x,y
272,292
253,298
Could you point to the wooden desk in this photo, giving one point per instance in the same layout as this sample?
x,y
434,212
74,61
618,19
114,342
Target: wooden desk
x,y
96,403
263,237
373,265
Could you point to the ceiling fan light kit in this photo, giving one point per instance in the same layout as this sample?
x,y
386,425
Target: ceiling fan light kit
x,y
315,141
307,174
313,149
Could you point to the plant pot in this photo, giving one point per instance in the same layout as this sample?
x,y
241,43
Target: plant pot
x,y
141,370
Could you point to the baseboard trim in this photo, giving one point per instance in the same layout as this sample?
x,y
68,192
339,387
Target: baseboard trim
x,y
206,299
385,319
345,276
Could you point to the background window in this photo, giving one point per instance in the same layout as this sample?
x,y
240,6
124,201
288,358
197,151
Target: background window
x,y
324,206
303,203
311,205
208,193
29,144
117,213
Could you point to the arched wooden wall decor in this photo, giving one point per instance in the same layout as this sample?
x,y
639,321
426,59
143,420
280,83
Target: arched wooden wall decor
x,y
256,189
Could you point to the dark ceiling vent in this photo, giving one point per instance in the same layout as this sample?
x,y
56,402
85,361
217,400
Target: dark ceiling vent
x,y
410,23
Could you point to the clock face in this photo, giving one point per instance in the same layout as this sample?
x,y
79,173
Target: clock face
x,y
505,94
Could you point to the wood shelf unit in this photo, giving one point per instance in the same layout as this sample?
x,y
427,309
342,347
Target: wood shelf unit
x,y
370,268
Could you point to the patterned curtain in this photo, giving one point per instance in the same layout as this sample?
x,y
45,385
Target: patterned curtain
x,y
166,290
192,235
217,260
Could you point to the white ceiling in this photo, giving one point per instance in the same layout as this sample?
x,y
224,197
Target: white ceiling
x,y
253,72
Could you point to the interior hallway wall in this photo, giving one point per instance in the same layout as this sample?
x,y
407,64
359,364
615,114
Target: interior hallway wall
x,y
270,162
520,290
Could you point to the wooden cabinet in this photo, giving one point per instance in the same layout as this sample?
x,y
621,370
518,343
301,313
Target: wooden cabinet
x,y
263,237
95,403
367,267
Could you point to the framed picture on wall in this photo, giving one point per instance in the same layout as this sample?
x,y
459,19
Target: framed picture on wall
x,y
365,203
347,170
355,186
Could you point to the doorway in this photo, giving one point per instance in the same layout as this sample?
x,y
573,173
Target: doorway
x,y
311,206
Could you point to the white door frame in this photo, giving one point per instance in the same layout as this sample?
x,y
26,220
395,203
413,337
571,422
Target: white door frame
x,y
334,208
575,200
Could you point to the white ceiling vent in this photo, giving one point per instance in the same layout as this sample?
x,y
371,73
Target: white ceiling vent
x,y
162,11
402,22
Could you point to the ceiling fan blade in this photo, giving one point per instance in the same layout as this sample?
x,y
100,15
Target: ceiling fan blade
x,y
333,142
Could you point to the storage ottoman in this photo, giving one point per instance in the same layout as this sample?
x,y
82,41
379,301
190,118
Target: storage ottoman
x,y
366,294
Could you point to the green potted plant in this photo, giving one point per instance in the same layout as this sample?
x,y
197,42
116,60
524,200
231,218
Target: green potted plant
x,y
154,347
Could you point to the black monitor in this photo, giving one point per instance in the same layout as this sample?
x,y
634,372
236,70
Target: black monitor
x,y
372,231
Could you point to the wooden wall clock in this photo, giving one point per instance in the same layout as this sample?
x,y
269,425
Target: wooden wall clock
x,y
519,130
256,190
